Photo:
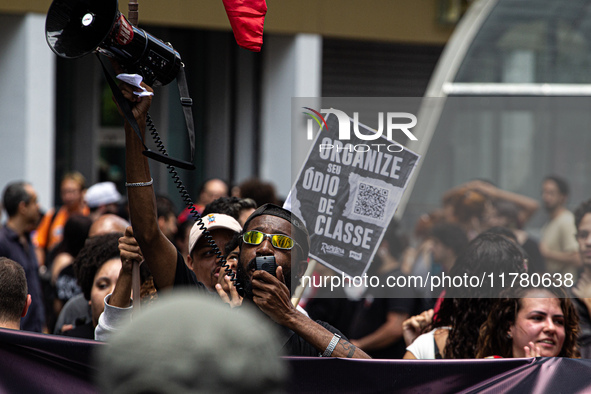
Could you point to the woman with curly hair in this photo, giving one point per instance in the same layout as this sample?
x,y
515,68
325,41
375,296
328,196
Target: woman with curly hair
x,y
454,331
97,268
531,322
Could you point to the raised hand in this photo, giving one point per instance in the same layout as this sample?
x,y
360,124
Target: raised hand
x,y
532,350
272,296
227,291
414,326
129,250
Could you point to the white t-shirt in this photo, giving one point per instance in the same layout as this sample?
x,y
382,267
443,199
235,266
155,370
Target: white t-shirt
x,y
423,348
559,235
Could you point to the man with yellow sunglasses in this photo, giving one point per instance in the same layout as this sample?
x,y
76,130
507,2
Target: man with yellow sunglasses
x,y
284,236
275,231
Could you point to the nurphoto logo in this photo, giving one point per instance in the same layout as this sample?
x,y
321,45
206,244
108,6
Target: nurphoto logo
x,y
392,124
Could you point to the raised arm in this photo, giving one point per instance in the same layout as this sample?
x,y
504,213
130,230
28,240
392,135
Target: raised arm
x,y
159,253
527,206
118,307
130,252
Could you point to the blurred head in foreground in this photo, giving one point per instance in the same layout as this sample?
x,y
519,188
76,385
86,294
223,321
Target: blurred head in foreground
x,y
186,344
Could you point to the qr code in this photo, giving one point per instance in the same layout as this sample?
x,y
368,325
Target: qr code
x,y
371,201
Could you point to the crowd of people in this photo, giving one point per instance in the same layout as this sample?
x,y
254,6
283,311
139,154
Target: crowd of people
x,y
71,272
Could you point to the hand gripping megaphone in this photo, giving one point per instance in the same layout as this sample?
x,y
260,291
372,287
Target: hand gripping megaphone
x,y
74,28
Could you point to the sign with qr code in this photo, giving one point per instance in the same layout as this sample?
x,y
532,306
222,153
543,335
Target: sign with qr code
x,y
347,193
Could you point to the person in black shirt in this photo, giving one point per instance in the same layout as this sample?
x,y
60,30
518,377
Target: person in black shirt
x,y
21,205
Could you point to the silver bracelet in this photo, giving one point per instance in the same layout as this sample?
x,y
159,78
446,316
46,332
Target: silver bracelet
x,y
136,184
333,343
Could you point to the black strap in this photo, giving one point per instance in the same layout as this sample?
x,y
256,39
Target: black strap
x,y
186,103
128,114
437,354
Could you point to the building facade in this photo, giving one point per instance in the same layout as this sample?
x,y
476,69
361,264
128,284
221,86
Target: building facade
x,y
59,115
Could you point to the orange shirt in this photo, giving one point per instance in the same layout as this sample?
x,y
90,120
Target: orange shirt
x,y
46,237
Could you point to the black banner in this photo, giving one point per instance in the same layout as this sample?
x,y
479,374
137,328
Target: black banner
x,y
40,363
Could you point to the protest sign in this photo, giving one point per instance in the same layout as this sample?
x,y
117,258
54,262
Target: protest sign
x,y
347,193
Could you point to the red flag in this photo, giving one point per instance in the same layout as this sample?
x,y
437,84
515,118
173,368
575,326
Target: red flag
x,y
247,18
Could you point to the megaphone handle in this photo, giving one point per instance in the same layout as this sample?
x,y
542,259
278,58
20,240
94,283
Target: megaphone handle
x,y
123,103
126,109
159,157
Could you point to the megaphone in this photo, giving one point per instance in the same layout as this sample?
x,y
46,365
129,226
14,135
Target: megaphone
x,y
74,28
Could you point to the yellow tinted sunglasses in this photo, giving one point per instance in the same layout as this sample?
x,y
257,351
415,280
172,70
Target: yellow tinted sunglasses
x,y
279,241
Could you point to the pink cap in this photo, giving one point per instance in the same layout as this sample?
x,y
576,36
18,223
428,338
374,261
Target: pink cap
x,y
213,221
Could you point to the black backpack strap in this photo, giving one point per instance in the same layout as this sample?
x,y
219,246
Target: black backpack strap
x,y
437,354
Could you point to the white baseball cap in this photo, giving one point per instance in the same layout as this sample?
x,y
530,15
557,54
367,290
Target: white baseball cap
x,y
213,221
102,193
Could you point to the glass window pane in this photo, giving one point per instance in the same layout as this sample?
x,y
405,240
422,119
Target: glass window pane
x,y
532,41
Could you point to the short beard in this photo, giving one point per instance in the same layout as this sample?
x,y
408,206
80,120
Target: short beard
x,y
245,279
244,282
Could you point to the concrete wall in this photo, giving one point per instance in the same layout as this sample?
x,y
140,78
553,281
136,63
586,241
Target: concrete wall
x,y
385,20
27,104
292,69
